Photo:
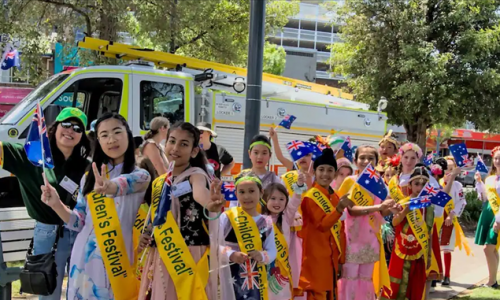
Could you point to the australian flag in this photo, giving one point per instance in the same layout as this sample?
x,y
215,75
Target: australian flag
x,y
298,149
371,180
420,202
347,147
287,121
459,152
166,197
437,196
480,166
37,146
316,149
228,189
11,60
429,158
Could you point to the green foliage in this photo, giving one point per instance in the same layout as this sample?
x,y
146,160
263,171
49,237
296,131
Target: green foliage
x,y
435,61
473,208
215,30
274,59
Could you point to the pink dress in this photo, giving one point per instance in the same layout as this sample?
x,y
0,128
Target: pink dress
x,y
280,289
362,252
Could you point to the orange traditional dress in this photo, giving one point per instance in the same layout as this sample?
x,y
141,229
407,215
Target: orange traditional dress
x,y
320,252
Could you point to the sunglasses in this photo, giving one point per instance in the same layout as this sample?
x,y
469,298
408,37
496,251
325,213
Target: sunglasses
x,y
76,128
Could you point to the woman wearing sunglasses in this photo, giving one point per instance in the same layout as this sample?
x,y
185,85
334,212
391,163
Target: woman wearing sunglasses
x,y
70,148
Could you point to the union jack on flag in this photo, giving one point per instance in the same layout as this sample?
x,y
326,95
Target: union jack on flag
x,y
37,146
437,196
228,190
287,121
297,149
461,155
165,198
371,180
428,159
250,275
420,202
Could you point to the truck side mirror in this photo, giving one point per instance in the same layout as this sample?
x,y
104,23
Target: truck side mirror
x,y
51,113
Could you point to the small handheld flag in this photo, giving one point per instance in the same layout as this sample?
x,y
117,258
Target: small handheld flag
x,y
429,158
37,146
315,149
481,166
347,147
228,189
166,197
459,152
287,121
298,149
437,196
371,180
420,202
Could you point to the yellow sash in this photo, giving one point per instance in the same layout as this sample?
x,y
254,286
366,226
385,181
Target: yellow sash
x,y
419,228
289,179
249,240
109,237
140,220
394,190
324,203
189,277
381,279
282,256
494,200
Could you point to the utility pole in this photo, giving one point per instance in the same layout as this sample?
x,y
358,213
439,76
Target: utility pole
x,y
254,75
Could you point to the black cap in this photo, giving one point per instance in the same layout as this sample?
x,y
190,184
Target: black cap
x,y
327,158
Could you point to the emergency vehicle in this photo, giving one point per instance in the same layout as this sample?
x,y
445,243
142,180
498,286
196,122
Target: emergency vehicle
x,y
191,90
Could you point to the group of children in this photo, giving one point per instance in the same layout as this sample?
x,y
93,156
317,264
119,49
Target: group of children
x,y
312,234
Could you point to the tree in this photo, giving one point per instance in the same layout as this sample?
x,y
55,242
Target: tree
x,y
215,30
274,59
436,62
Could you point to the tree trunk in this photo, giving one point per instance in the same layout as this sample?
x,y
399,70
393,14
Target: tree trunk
x,y
173,31
108,22
417,133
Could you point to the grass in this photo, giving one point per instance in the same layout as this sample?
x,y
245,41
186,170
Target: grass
x,y
16,285
481,294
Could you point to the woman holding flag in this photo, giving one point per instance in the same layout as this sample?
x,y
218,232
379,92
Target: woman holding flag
x,y
65,163
104,216
184,232
364,245
489,221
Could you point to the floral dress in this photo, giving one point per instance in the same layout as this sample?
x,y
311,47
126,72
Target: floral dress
x,y
87,276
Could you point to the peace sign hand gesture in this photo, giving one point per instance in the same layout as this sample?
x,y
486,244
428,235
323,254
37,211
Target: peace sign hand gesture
x,y
217,202
102,184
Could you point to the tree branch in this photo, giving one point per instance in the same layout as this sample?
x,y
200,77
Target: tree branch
x,y
74,8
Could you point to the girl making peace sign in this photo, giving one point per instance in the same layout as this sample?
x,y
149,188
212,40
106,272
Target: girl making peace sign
x,y
119,180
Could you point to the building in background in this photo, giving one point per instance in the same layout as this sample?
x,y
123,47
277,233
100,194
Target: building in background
x,y
306,39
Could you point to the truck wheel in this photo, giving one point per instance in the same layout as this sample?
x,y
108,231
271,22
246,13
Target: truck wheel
x,y
10,194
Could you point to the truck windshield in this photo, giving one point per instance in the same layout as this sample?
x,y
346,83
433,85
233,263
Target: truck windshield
x,y
38,94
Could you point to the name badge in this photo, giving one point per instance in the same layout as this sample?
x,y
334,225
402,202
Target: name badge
x,y
182,188
69,185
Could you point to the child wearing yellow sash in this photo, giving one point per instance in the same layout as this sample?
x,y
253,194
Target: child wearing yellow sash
x,y
249,244
102,260
177,265
282,210
489,221
407,269
260,153
322,233
448,234
362,244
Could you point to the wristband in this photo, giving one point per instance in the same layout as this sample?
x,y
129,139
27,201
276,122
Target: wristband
x,y
208,217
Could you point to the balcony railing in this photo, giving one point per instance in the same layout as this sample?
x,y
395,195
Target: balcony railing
x,y
328,75
295,34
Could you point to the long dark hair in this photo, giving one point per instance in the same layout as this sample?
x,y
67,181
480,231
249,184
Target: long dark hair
x,y
99,157
268,191
199,160
81,150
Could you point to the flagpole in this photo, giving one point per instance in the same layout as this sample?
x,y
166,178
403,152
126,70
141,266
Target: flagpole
x,y
40,114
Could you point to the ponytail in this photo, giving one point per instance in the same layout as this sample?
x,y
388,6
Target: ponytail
x,y
150,134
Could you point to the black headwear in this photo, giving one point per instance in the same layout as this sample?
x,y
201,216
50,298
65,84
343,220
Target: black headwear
x,y
326,158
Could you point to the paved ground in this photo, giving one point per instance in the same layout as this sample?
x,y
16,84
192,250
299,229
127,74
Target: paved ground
x,y
466,271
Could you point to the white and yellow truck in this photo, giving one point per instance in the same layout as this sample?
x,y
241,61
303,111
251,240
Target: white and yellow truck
x,y
191,90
